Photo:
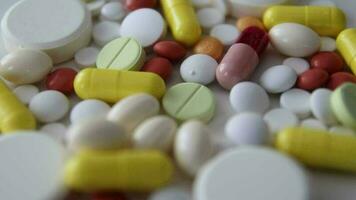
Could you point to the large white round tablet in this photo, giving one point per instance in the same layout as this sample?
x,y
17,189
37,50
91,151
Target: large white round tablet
x,y
249,97
59,28
256,8
251,174
171,193
31,166
297,101
112,11
88,109
321,106
86,57
226,33
26,92
278,79
199,68
146,25
105,31
313,123
300,65
209,17
279,119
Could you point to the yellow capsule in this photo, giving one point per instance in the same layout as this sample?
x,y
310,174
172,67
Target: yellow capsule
x,y
182,20
127,170
346,45
14,115
318,148
113,85
326,21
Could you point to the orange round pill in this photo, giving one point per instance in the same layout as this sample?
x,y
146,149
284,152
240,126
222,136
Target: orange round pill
x,y
245,22
210,46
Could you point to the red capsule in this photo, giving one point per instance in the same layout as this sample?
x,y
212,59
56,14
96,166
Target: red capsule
x,y
137,4
170,50
328,61
61,80
312,79
340,78
255,37
108,196
158,65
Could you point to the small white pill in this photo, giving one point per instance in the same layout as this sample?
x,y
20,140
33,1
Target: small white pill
x,y
328,44
112,11
278,79
88,109
321,107
171,193
322,3
199,68
300,65
26,92
209,17
297,101
220,5
86,57
105,31
49,106
313,123
280,118
342,130
55,130
95,6
226,33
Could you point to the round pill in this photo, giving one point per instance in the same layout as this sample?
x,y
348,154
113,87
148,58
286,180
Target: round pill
x,y
170,49
328,61
300,65
55,130
279,119
245,22
343,104
312,79
209,17
238,174
342,130
249,97
321,106
49,106
95,7
88,109
38,166
112,11
313,123
210,46
328,44
171,193
86,57
187,101
26,92
339,78
160,66
138,22
247,129
199,68
61,80
105,31
226,33
137,4
297,101
278,79
122,54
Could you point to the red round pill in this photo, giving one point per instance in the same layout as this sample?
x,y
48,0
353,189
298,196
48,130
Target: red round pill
x,y
312,79
331,62
255,37
340,78
158,65
108,196
61,80
137,4
170,49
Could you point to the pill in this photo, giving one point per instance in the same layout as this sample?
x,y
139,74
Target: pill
x,y
326,21
171,193
328,61
247,129
25,93
294,40
201,3
107,170
313,123
61,80
346,45
318,148
67,30
86,57
122,54
112,11
312,79
137,4
248,21
300,65
170,49
237,65
132,110
25,66
280,118
14,115
297,101
256,38
88,109
343,104
209,17
278,79
238,174
327,44
95,7
220,5
339,78
57,131
155,133
139,21
49,106
187,101
322,3
193,146
210,46
158,65
182,21
249,97
321,106
105,31
199,68
97,134
113,85
342,130
226,33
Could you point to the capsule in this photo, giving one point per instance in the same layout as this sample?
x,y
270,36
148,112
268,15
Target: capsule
x,y
113,85
326,21
182,20
256,38
14,115
346,45
319,149
126,170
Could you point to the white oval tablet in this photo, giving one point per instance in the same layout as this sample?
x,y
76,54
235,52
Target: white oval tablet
x,y
199,68
105,31
55,130
251,174
297,101
279,119
209,17
247,129
342,130
313,123
146,25
86,57
26,92
112,11
171,193
321,106
220,5
33,162
59,28
328,44
278,79
226,33
249,97
88,109
300,65
256,8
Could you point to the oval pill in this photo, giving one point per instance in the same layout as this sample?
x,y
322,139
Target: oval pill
x,y
328,61
170,49
105,31
210,46
339,78
61,80
312,79
25,93
278,79
88,109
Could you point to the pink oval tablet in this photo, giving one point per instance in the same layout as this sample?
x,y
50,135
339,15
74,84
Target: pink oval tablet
x,y
237,65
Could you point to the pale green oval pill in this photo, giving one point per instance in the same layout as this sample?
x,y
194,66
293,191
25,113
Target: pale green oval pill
x,y
187,101
343,103
123,53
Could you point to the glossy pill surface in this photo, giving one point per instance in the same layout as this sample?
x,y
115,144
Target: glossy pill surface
x,y
159,65
245,22
346,45
339,79
255,37
328,61
312,79
137,4
210,46
61,80
170,49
